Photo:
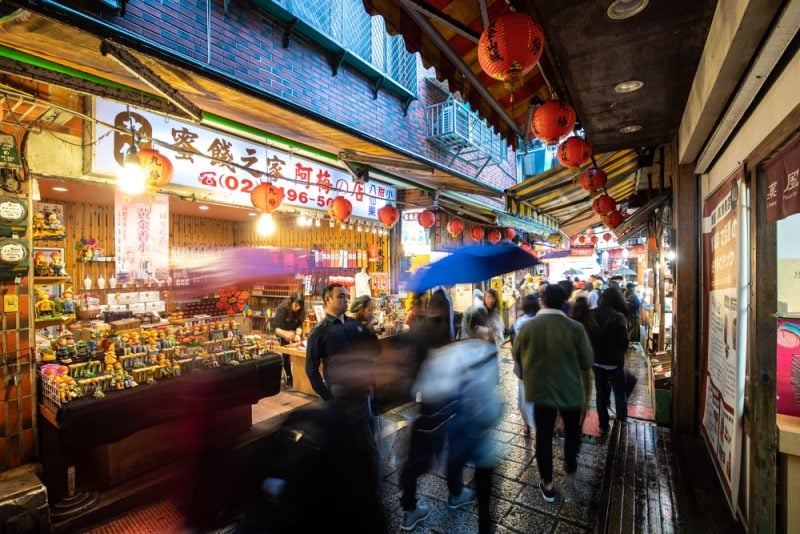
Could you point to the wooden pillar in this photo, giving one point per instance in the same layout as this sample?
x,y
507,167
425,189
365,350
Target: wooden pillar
x,y
685,303
762,362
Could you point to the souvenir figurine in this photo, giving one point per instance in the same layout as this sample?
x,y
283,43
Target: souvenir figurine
x,y
91,345
57,263
54,226
40,265
67,304
82,351
38,222
44,306
98,394
129,382
48,355
110,354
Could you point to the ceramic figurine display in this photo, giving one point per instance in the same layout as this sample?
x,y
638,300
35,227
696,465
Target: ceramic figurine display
x,y
112,282
101,282
44,305
87,283
67,304
57,264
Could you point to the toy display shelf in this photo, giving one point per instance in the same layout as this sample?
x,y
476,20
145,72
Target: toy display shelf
x,y
55,321
49,280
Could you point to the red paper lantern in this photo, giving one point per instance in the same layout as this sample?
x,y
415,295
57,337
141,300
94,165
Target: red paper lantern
x,y
613,219
593,239
510,47
157,167
607,236
388,215
582,239
426,219
593,179
509,233
604,204
574,152
552,120
340,209
455,227
494,236
266,197
477,233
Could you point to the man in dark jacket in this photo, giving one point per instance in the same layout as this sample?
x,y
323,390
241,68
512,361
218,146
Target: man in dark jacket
x,y
610,342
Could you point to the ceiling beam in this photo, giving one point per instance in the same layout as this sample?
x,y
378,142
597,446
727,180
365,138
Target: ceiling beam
x,y
442,44
446,20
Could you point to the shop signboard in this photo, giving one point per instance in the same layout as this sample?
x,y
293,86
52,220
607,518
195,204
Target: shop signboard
x,y
141,238
227,167
783,183
413,234
724,302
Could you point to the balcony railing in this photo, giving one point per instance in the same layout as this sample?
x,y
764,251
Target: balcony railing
x,y
346,23
452,126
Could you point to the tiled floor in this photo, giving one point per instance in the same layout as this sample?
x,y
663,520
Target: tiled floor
x,y
517,506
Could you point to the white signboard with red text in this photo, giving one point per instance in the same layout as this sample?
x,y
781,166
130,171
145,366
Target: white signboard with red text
x,y
226,166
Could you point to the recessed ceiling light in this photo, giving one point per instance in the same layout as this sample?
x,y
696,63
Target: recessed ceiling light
x,y
629,86
60,189
252,214
623,9
631,128
202,207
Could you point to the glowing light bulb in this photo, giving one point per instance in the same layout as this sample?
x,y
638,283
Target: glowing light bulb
x,y
265,225
131,178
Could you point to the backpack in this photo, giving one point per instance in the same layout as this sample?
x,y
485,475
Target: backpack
x,y
479,403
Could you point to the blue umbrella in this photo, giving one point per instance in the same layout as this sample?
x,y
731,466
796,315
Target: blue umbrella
x,y
471,264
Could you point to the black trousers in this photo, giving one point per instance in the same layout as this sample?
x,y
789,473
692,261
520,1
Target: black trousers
x,y
615,378
545,418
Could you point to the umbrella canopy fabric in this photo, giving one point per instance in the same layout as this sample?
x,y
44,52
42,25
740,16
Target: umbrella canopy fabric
x,y
573,272
624,271
471,264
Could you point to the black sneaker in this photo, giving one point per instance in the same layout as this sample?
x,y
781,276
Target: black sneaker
x,y
547,495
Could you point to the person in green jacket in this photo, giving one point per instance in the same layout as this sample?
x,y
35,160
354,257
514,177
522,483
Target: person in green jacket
x,y
555,357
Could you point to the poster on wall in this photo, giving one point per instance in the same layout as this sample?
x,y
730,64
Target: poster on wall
x,y
722,389
141,238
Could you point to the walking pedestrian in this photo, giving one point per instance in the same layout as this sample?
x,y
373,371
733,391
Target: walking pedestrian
x,y
610,343
529,308
555,356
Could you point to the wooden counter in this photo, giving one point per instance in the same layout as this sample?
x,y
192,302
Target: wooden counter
x,y
300,380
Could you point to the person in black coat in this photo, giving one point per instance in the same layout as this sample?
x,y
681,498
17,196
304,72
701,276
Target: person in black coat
x,y
610,342
287,324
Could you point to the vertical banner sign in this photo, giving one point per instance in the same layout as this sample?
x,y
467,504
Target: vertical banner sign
x,y
721,393
141,238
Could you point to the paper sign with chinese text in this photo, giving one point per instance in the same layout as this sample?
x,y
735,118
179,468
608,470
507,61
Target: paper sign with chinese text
x,y
141,238
229,167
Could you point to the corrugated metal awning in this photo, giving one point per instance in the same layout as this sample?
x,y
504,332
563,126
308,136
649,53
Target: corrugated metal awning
x,y
556,192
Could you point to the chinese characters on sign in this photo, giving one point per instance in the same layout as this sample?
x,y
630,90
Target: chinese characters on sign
x,y
229,167
783,183
141,238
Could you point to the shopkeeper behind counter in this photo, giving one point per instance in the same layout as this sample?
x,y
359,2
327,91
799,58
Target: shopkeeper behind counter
x,y
287,323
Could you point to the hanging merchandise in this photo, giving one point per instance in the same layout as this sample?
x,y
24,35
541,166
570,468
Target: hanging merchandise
x,y
552,120
574,152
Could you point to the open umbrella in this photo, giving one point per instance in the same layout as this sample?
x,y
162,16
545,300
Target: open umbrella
x,y
573,272
624,271
471,264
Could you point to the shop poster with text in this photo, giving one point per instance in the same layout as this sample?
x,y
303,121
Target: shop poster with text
x,y
141,238
225,168
722,390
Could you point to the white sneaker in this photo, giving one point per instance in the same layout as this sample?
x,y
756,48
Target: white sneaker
x,y
466,497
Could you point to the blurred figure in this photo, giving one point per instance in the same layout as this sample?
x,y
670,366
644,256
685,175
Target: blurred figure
x,y
491,302
287,323
419,304
634,306
568,288
363,310
610,344
530,308
331,337
555,356
477,302
436,400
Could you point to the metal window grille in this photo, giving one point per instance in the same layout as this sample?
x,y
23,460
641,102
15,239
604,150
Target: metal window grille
x,y
346,23
452,126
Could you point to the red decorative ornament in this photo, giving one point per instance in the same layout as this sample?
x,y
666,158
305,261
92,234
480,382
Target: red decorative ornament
x,y
455,227
552,120
426,219
231,300
477,233
582,239
574,152
509,233
593,240
607,236
340,209
157,167
510,47
526,247
604,204
266,197
388,215
494,236
613,219
593,179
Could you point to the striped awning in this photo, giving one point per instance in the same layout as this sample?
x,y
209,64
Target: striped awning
x,y
557,194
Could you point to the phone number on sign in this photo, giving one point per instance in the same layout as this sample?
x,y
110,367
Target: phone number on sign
x,y
246,185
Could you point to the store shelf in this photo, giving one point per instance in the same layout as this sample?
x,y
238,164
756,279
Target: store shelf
x,y
49,280
62,320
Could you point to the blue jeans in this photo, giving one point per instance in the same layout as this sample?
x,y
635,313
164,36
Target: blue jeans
x,y
602,378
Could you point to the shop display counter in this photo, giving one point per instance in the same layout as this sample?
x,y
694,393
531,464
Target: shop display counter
x,y
131,430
